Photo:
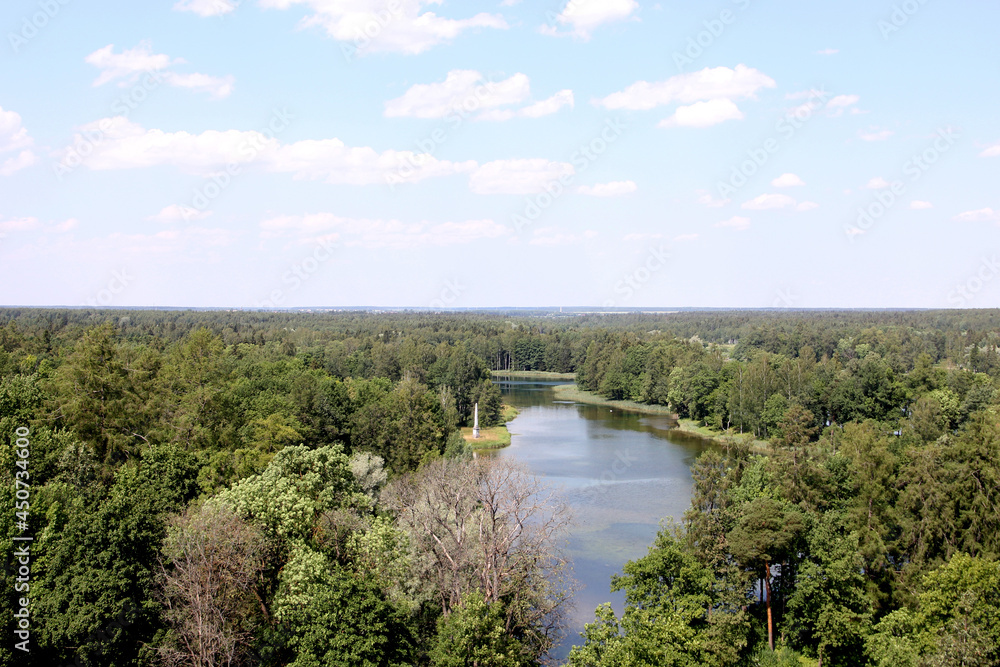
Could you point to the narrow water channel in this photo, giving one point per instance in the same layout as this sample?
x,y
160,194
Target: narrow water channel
x,y
621,472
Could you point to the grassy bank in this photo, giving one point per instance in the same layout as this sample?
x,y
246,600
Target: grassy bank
x,y
570,392
533,375
494,437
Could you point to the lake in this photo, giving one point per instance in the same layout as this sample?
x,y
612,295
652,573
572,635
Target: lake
x,y
621,472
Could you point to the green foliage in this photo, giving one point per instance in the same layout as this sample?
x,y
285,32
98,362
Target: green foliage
x,y
333,618
474,634
295,489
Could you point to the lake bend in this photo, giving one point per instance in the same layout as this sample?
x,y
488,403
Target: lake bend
x,y
622,473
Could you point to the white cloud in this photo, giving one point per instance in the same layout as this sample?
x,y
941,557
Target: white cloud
x,y
333,161
128,64
517,177
553,236
979,215
875,134
707,84
216,86
705,199
20,161
564,98
769,201
787,181
14,137
827,52
992,151
735,222
877,183
18,224
685,237
612,189
66,226
806,206
127,145
917,205
374,25
126,68
377,233
703,114
463,91
178,212
843,101
206,7
582,17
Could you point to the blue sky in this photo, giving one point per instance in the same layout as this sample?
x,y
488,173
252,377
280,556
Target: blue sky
x,y
616,153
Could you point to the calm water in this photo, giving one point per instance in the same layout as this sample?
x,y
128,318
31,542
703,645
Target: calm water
x,y
621,472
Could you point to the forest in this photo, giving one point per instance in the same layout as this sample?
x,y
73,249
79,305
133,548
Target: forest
x,y
290,488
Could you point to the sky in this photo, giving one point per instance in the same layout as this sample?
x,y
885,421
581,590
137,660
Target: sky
x,y
443,154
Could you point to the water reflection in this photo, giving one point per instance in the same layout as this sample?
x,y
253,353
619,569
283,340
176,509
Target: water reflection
x,y
621,472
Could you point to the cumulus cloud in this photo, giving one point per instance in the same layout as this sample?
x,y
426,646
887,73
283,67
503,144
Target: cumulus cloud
x,y
517,177
126,145
769,201
206,7
178,212
378,233
14,138
875,134
806,206
375,25
582,17
992,151
979,215
705,199
554,236
742,82
917,205
463,91
787,181
467,91
126,68
827,52
703,114
18,224
612,189
735,222
877,183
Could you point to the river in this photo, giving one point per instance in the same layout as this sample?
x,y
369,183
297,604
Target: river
x,y
621,472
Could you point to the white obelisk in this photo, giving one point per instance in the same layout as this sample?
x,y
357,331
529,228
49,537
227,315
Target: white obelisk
x,y
475,424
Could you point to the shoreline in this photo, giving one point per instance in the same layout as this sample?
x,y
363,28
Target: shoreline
x,y
541,375
690,427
